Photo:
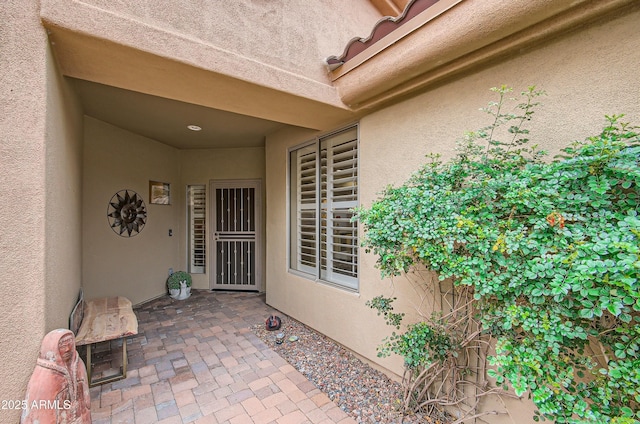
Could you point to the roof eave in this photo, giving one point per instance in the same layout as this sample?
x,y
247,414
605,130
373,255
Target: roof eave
x,y
453,37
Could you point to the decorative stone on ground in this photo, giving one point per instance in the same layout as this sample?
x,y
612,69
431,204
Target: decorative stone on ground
x,y
366,394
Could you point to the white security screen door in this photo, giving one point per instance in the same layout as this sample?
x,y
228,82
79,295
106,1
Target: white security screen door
x,y
236,211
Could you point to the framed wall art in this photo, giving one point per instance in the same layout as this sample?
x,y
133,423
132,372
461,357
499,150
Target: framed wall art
x,y
159,193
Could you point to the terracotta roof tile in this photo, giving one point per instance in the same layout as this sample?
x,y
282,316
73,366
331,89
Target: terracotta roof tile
x,y
382,28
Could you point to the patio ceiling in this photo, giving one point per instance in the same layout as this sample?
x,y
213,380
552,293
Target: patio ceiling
x,y
155,81
115,84
166,120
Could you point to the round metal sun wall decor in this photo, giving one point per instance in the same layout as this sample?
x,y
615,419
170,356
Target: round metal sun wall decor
x,y
127,213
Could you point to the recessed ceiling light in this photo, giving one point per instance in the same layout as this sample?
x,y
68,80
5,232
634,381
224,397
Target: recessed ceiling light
x,y
194,127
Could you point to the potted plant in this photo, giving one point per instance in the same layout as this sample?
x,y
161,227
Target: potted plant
x,y
179,285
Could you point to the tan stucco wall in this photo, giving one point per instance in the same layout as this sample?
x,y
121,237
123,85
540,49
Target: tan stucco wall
x,y
585,78
470,34
63,218
40,134
135,267
292,35
201,166
115,159
337,313
22,159
262,59
585,75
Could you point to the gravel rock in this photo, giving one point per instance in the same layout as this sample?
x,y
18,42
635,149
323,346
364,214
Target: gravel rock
x,y
366,394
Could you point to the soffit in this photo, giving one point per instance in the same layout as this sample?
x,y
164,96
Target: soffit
x,y
166,120
146,64
155,97
389,7
87,57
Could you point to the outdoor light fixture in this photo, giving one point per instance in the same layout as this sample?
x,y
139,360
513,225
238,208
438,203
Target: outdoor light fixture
x,y
194,127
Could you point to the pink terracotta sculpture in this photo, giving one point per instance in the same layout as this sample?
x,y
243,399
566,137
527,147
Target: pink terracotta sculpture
x,y
58,391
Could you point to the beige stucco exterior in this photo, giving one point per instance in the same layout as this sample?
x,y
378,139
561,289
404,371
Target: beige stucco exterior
x,y
576,72
200,166
264,60
40,158
467,37
210,55
114,159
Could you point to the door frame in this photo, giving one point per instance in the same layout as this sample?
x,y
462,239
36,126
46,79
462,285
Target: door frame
x,y
256,184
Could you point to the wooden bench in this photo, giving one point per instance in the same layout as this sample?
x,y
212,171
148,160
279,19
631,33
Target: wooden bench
x,y
101,320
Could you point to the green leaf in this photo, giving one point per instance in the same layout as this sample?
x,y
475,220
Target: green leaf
x,y
549,251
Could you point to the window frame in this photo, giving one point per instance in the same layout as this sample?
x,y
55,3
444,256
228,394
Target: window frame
x,y
326,273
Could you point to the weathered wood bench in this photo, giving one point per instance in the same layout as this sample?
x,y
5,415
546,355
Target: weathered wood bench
x,y
102,320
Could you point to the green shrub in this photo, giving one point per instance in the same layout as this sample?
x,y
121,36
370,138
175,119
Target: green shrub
x,y
549,250
173,282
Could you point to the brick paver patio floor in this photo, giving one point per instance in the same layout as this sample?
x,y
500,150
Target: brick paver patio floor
x,y
197,361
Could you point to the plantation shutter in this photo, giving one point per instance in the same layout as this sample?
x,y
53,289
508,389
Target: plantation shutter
x,y
339,195
196,209
307,201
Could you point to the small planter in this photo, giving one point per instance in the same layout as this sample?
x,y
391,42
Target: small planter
x,y
179,285
184,292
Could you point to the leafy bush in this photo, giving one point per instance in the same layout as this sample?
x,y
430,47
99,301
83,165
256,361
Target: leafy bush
x,y
550,252
174,280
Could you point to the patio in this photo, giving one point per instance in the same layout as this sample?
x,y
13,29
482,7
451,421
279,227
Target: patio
x,y
197,361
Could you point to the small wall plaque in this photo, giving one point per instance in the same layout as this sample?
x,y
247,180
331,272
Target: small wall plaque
x,y
159,193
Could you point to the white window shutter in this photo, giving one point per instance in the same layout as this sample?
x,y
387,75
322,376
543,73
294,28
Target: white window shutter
x,y
324,191
196,196
307,200
339,240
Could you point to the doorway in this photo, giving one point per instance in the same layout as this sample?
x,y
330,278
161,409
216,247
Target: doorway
x,y
236,213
